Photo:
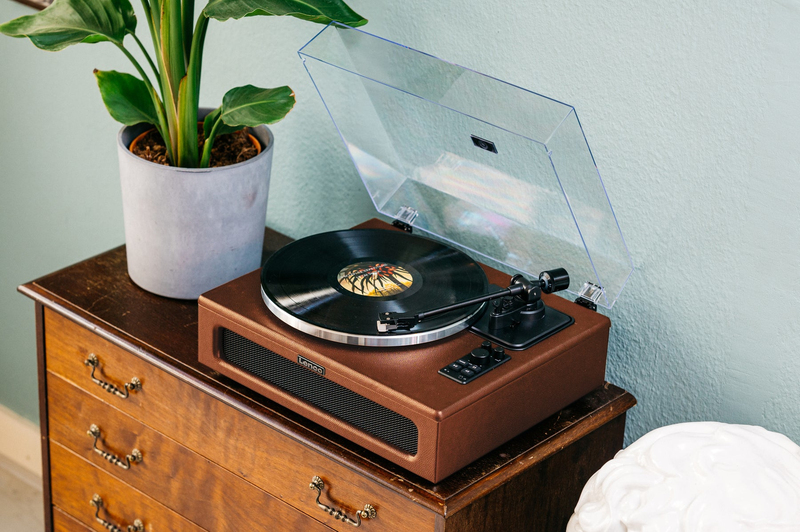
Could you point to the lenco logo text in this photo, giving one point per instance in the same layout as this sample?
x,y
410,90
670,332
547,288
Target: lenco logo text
x,y
310,365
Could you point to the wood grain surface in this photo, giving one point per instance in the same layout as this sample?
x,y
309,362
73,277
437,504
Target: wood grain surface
x,y
44,420
38,4
178,478
154,332
75,481
542,497
63,522
238,443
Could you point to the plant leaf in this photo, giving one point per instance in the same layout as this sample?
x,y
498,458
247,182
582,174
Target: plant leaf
x,y
172,45
208,123
126,97
212,128
187,127
222,129
251,106
320,11
245,106
67,22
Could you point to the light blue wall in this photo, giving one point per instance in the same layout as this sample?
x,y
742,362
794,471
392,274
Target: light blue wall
x,y
692,111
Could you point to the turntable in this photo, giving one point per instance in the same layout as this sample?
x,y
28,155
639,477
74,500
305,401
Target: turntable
x,y
409,339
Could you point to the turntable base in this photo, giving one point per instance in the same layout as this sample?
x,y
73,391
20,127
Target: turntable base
x,y
211,424
393,400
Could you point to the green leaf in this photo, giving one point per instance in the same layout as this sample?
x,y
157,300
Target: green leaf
x,y
126,97
91,39
222,128
212,128
187,17
251,106
320,11
172,44
245,106
208,123
187,127
68,22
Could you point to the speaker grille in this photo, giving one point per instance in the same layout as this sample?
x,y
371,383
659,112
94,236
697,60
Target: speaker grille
x,y
325,394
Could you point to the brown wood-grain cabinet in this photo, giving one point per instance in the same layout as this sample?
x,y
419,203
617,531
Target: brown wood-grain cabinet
x,y
137,434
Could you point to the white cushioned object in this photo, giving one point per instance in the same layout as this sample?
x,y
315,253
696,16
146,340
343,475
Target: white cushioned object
x,y
696,477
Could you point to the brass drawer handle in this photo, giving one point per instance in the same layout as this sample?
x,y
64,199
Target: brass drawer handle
x,y
368,512
135,383
97,502
135,456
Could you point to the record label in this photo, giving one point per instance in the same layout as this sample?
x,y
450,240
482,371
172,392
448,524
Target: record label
x,y
373,279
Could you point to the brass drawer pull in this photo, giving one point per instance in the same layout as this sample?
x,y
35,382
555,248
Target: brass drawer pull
x,y
97,502
368,512
135,456
135,383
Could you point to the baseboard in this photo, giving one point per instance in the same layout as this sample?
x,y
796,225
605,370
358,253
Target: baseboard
x,y
20,441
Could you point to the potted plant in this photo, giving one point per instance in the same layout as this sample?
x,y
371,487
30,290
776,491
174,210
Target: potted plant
x,y
189,227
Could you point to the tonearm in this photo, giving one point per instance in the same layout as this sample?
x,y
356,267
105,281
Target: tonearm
x,y
521,301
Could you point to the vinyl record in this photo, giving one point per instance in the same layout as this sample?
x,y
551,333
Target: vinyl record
x,y
335,285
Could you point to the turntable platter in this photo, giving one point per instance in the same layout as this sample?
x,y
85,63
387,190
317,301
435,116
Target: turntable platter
x,y
335,285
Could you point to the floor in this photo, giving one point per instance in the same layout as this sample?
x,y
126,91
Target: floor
x,y
20,499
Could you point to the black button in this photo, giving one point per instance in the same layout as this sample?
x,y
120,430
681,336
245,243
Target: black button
x,y
462,361
499,353
456,366
467,372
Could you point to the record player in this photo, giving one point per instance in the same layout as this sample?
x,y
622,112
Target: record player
x,y
413,339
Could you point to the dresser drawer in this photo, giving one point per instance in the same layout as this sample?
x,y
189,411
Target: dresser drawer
x,y
74,483
239,443
178,478
66,523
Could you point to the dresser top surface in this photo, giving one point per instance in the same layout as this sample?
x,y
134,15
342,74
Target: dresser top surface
x,y
98,293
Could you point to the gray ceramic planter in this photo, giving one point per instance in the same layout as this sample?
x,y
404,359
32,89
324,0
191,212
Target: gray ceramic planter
x,y
190,230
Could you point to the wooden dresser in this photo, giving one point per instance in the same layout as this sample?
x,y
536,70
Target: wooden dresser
x,y
137,435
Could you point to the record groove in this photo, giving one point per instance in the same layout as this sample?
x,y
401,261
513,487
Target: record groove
x,y
334,285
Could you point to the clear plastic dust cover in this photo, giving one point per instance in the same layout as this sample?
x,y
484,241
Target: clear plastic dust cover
x,y
499,171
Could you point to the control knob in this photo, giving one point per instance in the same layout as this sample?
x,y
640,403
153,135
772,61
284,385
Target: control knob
x,y
480,356
499,353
